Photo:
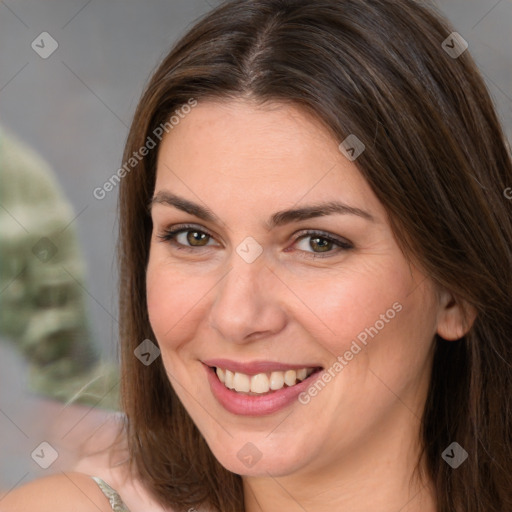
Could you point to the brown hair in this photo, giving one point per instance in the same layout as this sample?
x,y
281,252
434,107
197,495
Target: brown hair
x,y
436,158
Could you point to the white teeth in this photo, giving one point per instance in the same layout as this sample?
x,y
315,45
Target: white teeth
x,y
228,379
262,382
276,380
220,374
241,382
290,377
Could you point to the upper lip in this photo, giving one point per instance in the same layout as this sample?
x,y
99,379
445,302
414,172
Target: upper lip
x,y
255,367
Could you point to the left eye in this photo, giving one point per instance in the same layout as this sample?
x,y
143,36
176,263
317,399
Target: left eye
x,y
320,243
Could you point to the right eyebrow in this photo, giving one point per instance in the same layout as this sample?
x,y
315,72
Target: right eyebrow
x,y
169,199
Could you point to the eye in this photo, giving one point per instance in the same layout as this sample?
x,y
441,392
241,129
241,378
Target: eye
x,y
186,237
317,244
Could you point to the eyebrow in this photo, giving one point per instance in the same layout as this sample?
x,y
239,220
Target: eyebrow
x,y
277,219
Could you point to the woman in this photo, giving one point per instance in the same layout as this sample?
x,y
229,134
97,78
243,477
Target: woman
x,y
315,253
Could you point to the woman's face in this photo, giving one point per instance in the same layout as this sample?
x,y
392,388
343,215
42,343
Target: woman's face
x,y
316,318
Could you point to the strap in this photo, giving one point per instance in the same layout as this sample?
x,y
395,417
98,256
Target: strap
x,y
115,500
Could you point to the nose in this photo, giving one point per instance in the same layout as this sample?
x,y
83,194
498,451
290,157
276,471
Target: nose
x,y
248,304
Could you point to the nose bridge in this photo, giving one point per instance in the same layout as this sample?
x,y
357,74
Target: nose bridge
x,y
246,302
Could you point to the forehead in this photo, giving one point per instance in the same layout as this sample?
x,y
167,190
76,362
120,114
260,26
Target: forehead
x,y
238,150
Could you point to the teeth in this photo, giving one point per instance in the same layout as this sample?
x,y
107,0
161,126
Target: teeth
x,y
302,373
228,382
290,377
261,382
276,380
242,382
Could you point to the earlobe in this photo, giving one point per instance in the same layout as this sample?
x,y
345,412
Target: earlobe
x,y
455,317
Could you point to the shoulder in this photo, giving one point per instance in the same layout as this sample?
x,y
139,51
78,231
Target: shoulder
x,y
57,493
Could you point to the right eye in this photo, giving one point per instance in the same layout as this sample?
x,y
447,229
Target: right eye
x,y
186,237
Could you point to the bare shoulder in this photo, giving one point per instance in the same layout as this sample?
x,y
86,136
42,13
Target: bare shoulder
x,y
61,492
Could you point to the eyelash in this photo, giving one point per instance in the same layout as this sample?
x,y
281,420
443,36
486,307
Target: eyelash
x,y
169,236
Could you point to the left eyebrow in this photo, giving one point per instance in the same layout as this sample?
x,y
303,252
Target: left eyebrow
x,y
277,219
317,210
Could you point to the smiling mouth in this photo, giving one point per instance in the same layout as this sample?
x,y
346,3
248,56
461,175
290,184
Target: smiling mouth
x,y
262,383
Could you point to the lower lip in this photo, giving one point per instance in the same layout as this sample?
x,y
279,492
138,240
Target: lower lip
x,y
253,405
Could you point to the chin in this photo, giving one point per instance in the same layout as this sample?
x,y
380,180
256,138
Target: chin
x,y
260,458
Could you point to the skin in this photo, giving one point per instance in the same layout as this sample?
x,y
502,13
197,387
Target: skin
x,y
355,444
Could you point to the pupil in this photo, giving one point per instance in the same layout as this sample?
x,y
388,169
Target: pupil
x,y
195,236
322,243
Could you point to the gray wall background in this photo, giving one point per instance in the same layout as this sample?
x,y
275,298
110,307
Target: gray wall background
x,y
75,107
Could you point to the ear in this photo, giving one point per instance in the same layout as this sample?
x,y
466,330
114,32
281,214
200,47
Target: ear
x,y
455,317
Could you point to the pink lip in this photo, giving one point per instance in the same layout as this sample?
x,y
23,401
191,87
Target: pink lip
x,y
255,367
253,405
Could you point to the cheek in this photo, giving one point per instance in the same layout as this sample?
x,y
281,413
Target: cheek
x,y
174,302
386,338
354,300
380,319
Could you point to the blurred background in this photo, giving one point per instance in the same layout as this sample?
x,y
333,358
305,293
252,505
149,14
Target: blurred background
x,y
71,73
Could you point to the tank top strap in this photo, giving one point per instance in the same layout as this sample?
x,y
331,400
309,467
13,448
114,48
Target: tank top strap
x,y
115,500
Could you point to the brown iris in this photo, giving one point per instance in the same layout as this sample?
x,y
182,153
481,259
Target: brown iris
x,y
323,244
197,236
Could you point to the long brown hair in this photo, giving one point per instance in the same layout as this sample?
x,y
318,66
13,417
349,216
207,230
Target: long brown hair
x,y
436,158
